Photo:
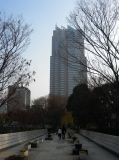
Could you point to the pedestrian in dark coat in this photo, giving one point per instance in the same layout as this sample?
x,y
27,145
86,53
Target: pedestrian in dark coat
x,y
63,132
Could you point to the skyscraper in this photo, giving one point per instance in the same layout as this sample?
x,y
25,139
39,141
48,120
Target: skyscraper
x,y
66,69
3,108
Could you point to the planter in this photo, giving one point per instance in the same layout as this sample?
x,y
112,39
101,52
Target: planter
x,y
24,152
69,136
17,157
75,152
36,141
76,141
40,140
48,138
74,138
84,151
33,144
27,146
49,135
78,146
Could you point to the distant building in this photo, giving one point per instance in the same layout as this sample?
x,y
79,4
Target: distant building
x,y
19,98
64,73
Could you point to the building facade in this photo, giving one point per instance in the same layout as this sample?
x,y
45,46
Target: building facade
x,y
19,98
66,69
3,108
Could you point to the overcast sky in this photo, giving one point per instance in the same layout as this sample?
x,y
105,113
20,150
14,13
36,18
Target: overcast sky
x,y
43,15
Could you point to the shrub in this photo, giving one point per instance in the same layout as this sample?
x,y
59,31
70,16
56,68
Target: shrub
x,y
23,150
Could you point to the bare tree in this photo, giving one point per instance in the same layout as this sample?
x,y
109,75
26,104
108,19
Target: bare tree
x,y
14,70
56,110
97,21
14,39
42,101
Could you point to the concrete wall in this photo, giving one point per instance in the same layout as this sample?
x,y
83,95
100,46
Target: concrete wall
x,y
109,142
11,139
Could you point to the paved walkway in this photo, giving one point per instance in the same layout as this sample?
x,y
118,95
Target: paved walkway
x,y
62,150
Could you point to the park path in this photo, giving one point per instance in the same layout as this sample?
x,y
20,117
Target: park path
x,y
62,150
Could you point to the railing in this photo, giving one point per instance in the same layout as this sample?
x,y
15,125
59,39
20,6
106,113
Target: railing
x,y
109,142
11,139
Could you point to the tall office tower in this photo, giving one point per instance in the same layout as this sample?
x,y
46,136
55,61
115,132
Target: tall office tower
x,y
3,108
65,70
19,98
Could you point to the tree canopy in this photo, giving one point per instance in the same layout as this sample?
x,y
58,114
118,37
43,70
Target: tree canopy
x,y
97,22
14,39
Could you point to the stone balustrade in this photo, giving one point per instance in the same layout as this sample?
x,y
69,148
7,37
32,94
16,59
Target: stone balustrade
x,y
11,139
109,142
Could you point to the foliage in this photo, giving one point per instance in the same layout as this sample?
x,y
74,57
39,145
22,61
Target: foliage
x,y
55,110
16,156
94,109
67,118
78,102
38,116
39,106
26,144
104,108
32,142
42,101
23,150
96,21
36,140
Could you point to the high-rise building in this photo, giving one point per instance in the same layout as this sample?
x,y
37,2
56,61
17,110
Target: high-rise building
x,y
3,108
19,98
66,69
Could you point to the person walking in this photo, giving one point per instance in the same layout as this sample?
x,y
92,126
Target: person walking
x,y
59,133
63,132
